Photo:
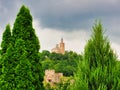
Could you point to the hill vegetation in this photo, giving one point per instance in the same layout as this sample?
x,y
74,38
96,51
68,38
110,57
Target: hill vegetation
x,y
65,63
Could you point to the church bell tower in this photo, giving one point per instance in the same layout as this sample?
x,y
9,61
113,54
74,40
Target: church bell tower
x,y
62,46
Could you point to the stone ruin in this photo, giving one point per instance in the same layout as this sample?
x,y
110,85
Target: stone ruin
x,y
51,77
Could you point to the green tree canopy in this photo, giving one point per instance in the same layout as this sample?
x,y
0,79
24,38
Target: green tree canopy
x,y
65,63
97,69
6,39
21,69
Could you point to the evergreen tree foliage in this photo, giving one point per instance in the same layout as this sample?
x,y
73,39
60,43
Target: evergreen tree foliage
x,y
21,68
98,69
7,71
6,39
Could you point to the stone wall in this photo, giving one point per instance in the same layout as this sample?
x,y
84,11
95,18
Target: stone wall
x,y
52,77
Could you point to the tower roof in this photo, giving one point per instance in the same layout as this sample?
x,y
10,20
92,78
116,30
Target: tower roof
x,y
62,40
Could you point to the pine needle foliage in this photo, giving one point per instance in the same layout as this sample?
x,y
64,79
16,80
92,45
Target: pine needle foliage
x,y
6,39
20,66
98,70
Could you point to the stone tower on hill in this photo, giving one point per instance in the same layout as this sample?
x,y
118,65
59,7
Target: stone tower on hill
x,y
60,48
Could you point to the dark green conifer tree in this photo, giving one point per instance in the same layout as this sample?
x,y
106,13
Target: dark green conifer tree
x,y
6,39
98,68
25,71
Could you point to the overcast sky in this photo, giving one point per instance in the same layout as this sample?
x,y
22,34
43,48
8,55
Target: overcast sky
x,y
71,20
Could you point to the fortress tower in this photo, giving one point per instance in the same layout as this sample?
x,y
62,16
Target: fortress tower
x,y
60,48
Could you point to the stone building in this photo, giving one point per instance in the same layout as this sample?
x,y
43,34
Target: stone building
x,y
60,48
52,77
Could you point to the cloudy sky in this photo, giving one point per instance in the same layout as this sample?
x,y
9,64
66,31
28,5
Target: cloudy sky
x,y
68,19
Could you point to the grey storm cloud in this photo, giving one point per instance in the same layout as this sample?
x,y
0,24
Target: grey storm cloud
x,y
73,14
8,11
62,14
65,14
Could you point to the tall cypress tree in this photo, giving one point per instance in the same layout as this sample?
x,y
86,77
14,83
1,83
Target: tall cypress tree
x,y
97,70
6,39
26,71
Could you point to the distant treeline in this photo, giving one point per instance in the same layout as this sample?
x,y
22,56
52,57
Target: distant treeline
x,y
64,63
